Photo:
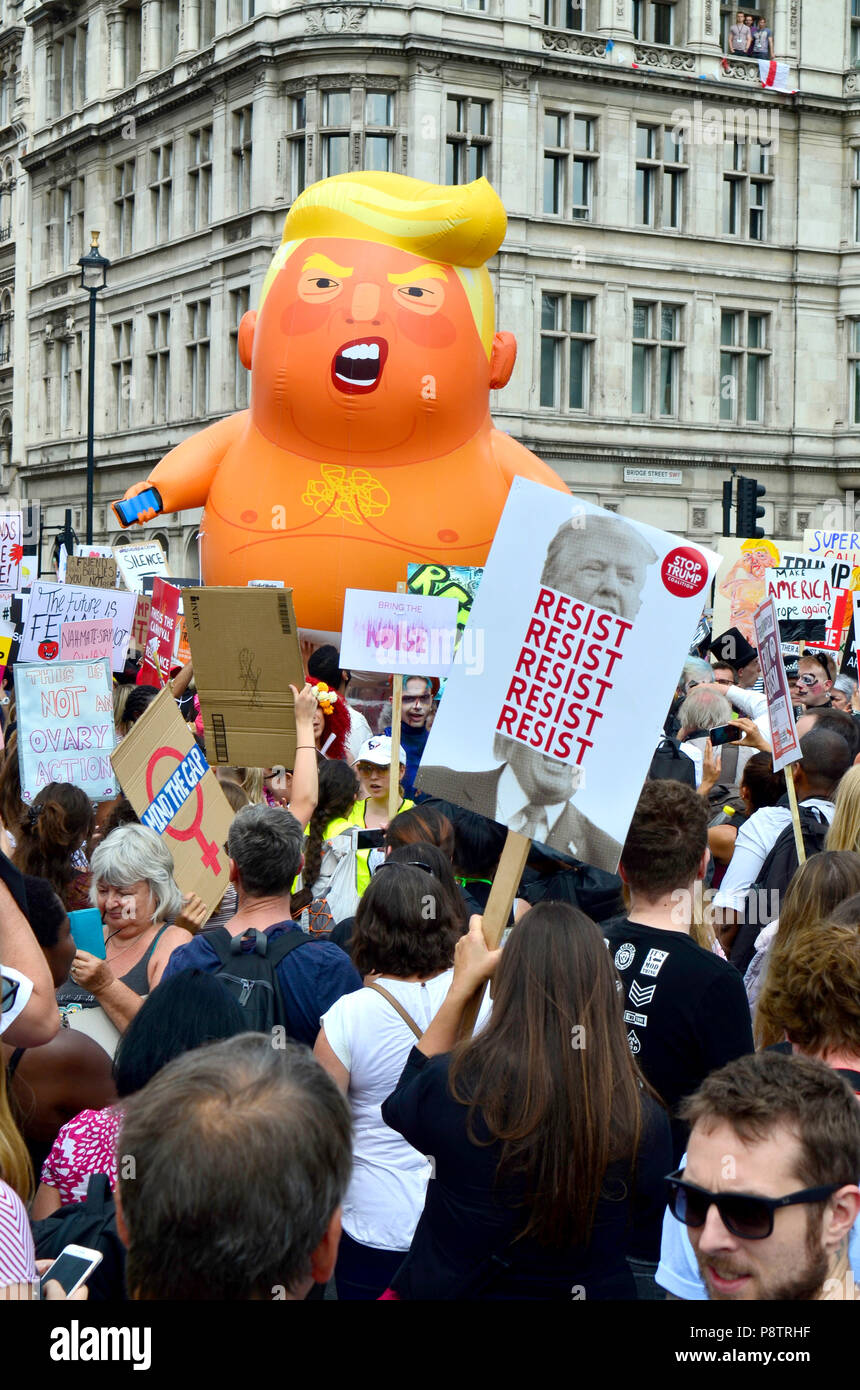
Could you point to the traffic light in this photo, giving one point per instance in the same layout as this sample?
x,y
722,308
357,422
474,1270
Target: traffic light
x,y
748,511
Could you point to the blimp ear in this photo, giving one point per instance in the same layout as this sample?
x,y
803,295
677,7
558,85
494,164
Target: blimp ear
x,y
502,359
246,337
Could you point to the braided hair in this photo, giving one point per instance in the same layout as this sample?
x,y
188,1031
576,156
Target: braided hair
x,y
338,792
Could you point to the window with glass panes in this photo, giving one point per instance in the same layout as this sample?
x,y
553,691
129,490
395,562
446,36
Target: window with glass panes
x,y
657,355
71,198
467,140
854,367
123,204
379,131
123,338
855,194
566,347
855,32
335,133
197,353
200,178
167,12
569,14
661,171
242,147
158,359
569,159
240,301
744,354
747,176
655,21
298,145
161,191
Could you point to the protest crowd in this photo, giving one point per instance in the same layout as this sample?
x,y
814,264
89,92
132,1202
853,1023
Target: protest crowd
x,y
177,1093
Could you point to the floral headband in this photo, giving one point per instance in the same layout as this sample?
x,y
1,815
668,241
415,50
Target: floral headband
x,y
325,697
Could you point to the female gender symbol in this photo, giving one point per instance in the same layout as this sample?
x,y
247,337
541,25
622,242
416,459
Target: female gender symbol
x,y
193,832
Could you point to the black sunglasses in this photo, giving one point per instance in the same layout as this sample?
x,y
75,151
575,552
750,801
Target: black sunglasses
x,y
403,864
749,1218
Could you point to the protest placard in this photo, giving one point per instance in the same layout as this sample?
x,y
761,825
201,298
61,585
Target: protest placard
x,y
65,727
174,791
446,581
245,649
161,634
51,605
93,571
93,552
833,545
783,730
141,622
7,637
31,514
570,601
87,641
140,561
398,633
11,549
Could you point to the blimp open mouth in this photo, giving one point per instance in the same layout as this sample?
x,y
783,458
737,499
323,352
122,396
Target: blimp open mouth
x,y
357,367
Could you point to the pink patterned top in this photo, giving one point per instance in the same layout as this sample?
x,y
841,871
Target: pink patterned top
x,y
86,1145
17,1257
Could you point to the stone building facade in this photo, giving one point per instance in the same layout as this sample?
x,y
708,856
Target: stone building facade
x,y
681,268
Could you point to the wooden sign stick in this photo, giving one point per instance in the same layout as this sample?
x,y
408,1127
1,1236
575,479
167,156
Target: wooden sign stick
x,y
396,721
795,814
505,884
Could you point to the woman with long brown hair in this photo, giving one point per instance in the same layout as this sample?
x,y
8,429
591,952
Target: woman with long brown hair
x,y
818,886
550,1151
815,892
51,838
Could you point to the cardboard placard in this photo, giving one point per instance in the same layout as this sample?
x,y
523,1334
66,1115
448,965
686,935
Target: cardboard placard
x,y
93,571
87,641
570,601
93,552
139,561
174,791
7,637
51,605
407,634
11,549
65,727
780,710
161,635
245,649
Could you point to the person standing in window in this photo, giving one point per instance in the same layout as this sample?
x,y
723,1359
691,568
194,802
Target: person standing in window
x,y
740,36
762,41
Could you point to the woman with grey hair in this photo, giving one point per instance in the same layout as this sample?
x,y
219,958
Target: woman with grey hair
x,y
134,890
843,693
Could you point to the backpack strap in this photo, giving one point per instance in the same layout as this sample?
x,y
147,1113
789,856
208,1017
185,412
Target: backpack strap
x,y
99,1199
407,1018
226,946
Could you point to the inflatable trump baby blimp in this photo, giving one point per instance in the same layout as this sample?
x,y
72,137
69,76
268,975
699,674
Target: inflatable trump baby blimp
x,y
368,442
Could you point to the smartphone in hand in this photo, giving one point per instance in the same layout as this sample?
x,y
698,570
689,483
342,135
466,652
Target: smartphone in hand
x,y
72,1267
128,511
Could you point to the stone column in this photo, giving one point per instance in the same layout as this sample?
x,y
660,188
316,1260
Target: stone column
x,y
189,26
703,27
514,178
615,18
116,50
150,37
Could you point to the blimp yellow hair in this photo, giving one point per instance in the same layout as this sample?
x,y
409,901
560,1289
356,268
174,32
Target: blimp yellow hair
x,y
457,225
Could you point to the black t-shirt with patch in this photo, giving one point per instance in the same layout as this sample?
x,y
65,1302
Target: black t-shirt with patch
x,y
686,1010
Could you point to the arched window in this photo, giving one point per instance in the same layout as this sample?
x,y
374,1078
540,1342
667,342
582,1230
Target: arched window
x,y
191,562
5,443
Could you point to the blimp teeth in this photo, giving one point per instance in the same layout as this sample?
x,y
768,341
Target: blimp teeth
x,y
362,350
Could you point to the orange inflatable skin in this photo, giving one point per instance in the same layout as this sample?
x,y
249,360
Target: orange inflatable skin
x,y
368,442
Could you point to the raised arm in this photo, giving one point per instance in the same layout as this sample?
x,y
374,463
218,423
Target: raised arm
x,y
184,476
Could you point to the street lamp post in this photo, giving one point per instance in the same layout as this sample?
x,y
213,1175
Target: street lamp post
x,y
94,269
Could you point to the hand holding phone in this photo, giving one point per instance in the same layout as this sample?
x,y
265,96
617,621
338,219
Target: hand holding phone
x,y
130,510
71,1269
726,733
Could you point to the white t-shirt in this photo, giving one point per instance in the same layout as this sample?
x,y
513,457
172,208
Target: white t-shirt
x,y
755,840
15,991
385,1196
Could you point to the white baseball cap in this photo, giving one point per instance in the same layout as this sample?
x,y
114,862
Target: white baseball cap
x,y
377,750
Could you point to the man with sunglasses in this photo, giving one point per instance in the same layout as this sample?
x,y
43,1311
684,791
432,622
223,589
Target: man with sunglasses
x,y
768,1190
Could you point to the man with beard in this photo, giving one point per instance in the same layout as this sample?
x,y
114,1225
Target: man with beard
x,y
769,1189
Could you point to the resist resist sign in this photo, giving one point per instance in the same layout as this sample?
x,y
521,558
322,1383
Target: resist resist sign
x,y
65,727
573,604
